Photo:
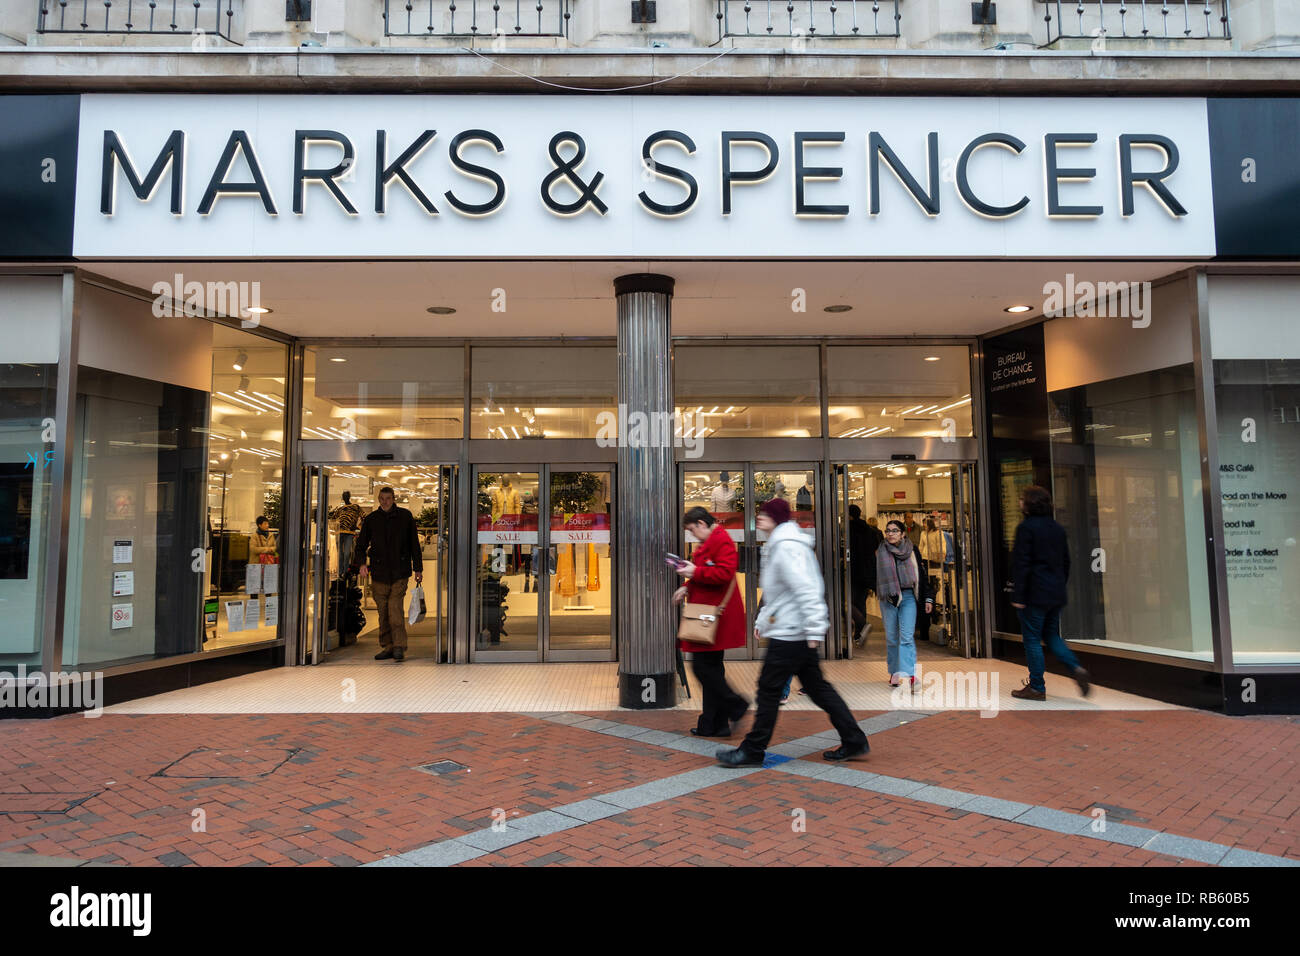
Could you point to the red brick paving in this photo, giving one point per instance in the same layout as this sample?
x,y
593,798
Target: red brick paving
x,y
750,823
312,789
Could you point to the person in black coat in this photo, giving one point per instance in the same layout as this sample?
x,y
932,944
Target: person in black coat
x,y
1040,566
862,570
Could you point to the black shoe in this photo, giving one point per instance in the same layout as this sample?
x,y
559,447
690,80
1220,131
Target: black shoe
x,y
399,654
739,757
696,732
1084,680
385,654
847,753
1028,693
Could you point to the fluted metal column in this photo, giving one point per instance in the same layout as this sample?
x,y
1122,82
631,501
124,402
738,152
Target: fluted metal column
x,y
647,519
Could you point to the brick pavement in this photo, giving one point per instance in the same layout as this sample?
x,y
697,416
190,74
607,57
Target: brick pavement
x,y
339,789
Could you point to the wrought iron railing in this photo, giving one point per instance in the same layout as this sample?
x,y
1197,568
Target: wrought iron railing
x,y
808,18
1138,19
188,18
476,18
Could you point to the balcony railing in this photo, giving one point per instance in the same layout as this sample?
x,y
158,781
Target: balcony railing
x,y
808,18
179,18
1138,19
476,18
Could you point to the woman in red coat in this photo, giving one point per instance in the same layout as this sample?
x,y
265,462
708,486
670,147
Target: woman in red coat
x,y
709,575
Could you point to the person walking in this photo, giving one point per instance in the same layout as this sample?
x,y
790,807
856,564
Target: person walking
x,y
794,620
934,551
711,579
903,589
1040,566
390,543
862,572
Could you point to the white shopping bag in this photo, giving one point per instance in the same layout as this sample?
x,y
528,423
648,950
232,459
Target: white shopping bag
x,y
417,610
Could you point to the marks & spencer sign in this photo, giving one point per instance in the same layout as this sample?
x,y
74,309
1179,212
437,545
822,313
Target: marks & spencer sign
x,y
657,177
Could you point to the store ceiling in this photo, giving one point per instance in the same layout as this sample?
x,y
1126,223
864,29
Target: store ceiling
x,y
572,298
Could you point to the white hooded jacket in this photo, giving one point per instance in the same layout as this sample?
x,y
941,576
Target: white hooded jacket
x,y
794,601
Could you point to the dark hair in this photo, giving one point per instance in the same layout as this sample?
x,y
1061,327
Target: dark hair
x,y
931,525
698,514
386,490
897,523
1037,499
347,496
855,511
260,519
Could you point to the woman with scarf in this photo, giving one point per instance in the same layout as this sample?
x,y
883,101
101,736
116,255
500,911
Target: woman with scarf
x,y
903,587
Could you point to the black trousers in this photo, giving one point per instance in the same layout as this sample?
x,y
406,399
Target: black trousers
x,y
722,705
858,602
784,659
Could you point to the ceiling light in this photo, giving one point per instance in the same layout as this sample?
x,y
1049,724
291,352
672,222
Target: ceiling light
x,y
1016,309
258,310
838,308
338,359
440,310
932,358
240,360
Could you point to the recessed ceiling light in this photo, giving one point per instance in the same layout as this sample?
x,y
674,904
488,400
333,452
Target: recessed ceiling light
x,y
1016,309
932,358
440,310
838,308
338,359
259,310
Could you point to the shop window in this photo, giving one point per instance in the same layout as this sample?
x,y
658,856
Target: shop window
x,y
742,391
899,391
353,394
543,392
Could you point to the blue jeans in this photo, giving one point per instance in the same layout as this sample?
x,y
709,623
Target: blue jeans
x,y
900,634
1039,624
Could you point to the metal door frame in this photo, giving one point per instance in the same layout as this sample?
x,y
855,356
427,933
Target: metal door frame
x,y
543,553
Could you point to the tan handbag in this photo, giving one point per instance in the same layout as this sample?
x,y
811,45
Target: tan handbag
x,y
700,621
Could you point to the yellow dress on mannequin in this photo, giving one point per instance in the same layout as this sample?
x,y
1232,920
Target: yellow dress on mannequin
x,y
566,584
593,569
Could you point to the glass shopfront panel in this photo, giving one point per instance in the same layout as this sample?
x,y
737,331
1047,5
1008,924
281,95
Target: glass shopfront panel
x,y
581,531
898,391
510,568
357,393
743,391
544,392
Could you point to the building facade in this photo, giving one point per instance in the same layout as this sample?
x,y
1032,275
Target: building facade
x,y
556,272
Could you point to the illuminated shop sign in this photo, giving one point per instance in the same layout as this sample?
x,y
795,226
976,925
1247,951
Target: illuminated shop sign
x,y
516,176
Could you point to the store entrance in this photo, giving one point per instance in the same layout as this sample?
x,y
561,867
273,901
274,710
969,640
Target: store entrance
x,y
939,501
339,612
732,493
543,563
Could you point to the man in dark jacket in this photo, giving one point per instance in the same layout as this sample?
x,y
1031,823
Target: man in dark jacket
x,y
1040,566
862,570
390,541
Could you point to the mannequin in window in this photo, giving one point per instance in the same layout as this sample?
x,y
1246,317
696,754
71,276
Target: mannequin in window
x,y
505,500
803,498
723,494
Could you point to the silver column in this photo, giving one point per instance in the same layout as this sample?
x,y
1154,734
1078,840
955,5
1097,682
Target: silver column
x,y
647,499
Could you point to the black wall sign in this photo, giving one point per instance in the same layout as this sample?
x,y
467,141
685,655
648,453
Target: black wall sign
x,y
1015,396
38,175
1253,148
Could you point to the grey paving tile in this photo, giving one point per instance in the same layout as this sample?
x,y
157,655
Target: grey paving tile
x,y
595,723
942,796
633,797
997,807
705,748
621,730
1057,821
1123,833
588,810
661,738
446,853
563,718
393,861
895,786
1186,847
806,768
520,829
1239,857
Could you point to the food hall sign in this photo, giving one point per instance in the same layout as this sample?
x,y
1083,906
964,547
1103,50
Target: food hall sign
x,y
725,177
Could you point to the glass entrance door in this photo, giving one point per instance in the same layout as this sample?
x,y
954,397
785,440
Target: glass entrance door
x,y
544,575
936,503
341,618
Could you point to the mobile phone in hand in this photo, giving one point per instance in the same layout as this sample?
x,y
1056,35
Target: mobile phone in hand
x,y
673,560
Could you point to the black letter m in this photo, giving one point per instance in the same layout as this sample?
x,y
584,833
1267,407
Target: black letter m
x,y
173,152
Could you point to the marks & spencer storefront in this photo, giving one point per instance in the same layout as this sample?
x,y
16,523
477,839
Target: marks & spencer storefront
x,y
550,330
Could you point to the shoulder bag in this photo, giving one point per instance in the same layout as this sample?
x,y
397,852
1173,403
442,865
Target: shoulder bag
x,y
700,621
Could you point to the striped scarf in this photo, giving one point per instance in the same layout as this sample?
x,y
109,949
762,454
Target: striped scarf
x,y
895,570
